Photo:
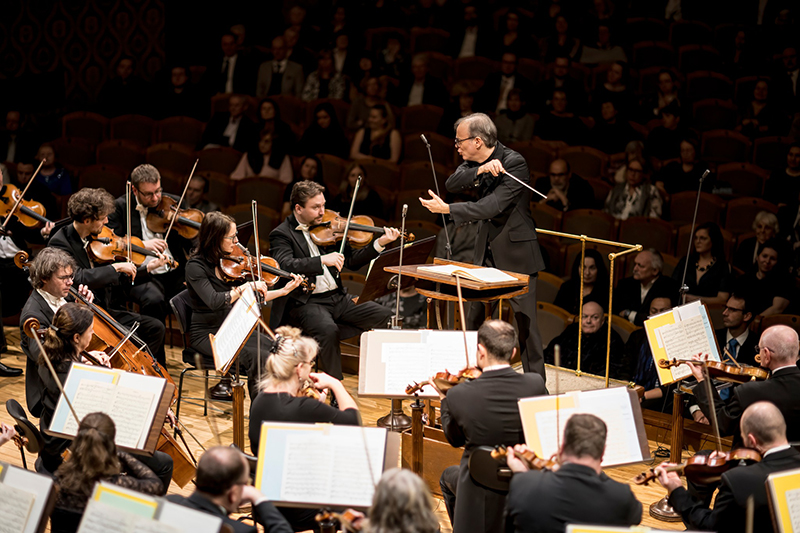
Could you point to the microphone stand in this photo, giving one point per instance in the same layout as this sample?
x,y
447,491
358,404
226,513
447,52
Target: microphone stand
x,y
684,290
397,420
447,246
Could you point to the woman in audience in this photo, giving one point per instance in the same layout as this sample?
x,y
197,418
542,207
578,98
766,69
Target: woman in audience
x,y
378,138
325,82
633,150
55,177
368,201
269,120
595,283
769,287
666,93
94,457
325,135
766,227
260,161
683,175
513,123
708,276
401,504
513,37
758,117
615,89
560,43
358,116
310,170
637,197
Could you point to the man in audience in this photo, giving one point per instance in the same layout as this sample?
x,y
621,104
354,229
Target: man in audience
x,y
179,98
422,87
15,144
664,141
735,336
612,133
279,75
783,186
125,93
633,295
560,123
565,190
484,412
577,492
196,195
493,95
788,81
233,129
233,71
222,485
471,37
763,429
560,79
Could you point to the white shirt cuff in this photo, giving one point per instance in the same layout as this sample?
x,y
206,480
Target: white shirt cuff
x,y
378,247
693,408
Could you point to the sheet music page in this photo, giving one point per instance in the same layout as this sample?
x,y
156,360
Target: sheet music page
x,y
16,508
447,349
142,383
613,406
695,331
406,363
550,434
90,397
130,411
793,504
100,517
234,331
485,274
188,520
677,344
307,460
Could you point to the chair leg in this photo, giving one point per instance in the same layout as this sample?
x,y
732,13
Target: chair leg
x,y
180,395
205,394
22,454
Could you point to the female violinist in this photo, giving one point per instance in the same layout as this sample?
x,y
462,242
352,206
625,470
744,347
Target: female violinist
x,y
212,297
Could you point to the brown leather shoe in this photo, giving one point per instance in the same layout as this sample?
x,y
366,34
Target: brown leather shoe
x,y
222,390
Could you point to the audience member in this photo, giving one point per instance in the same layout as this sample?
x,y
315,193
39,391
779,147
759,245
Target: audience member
x,y
324,135
196,195
666,94
325,82
270,121
741,59
470,35
345,62
633,150
783,186
664,141
611,133
296,53
605,50
710,279
788,89
421,88
232,128
515,38
258,161
15,143
634,295
179,98
279,75
560,43
378,138
768,287
390,61
615,89
462,106
637,197
55,177
233,71
514,124
565,190
368,202
358,115
561,124
125,93
683,175
493,95
595,283
559,79
766,227
310,170
759,117
37,191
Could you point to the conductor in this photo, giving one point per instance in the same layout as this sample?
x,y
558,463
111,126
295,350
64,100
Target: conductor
x,y
506,236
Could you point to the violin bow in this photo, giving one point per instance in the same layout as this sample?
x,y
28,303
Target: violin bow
x,y
557,361
183,194
128,189
32,334
254,212
350,214
21,196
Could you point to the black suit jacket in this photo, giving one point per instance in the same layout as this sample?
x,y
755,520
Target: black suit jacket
x,y
503,212
545,501
434,93
244,74
264,513
37,308
627,295
781,389
730,505
580,194
246,135
118,222
484,412
488,95
745,353
289,248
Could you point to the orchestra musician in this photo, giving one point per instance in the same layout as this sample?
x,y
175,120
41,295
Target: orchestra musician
x,y
506,231
51,273
484,412
164,282
762,428
577,492
401,504
322,313
211,297
223,484
65,341
89,209
94,457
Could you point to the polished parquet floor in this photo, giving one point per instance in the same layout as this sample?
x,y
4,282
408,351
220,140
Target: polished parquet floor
x,y
217,428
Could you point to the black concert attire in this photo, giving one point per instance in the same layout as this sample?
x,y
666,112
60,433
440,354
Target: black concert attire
x,y
568,295
211,302
628,296
640,367
716,278
730,504
580,194
506,239
329,313
38,308
543,501
109,287
264,514
593,350
482,412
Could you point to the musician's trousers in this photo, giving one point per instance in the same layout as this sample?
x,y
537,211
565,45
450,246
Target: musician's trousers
x,y
151,331
323,315
248,356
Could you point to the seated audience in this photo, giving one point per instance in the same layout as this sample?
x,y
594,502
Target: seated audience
x,y
560,79
710,279
611,133
358,115
633,150
615,89
368,202
683,175
604,49
196,195
493,95
759,117
179,97
769,287
664,141
279,75
565,190
462,106
325,82
637,197
378,138
560,124
269,120
766,227
514,37
560,43
513,123
665,95
324,135
783,186
421,88
633,295
16,142
56,178
232,129
310,170
125,93
595,283
593,343
260,157
545,501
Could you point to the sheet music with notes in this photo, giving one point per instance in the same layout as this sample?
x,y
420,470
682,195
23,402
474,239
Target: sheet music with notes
x,y
323,464
544,419
16,508
783,489
27,498
235,329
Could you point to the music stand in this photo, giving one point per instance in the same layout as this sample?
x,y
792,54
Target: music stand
x,y
379,282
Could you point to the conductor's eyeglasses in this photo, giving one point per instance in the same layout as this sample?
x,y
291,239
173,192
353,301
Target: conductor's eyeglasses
x,y
459,141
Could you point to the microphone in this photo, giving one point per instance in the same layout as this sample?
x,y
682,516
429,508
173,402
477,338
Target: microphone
x,y
705,175
405,210
422,136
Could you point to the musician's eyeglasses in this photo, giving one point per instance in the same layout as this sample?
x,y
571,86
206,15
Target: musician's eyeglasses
x,y
233,238
151,194
459,141
733,309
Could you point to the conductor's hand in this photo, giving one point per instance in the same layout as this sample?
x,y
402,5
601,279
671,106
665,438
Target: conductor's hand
x,y
155,245
84,291
493,167
435,204
333,259
126,268
390,235
670,480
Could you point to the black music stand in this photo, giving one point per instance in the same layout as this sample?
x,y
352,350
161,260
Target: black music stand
x,y
379,282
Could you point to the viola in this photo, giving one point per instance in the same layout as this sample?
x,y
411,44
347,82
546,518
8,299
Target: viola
x,y
109,247
187,221
445,381
704,469
360,232
309,391
350,522
527,456
723,371
241,265
29,213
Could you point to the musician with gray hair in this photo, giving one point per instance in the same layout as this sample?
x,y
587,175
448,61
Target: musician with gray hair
x,y
506,236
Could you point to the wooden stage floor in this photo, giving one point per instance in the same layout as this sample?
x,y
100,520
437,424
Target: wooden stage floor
x,y
206,428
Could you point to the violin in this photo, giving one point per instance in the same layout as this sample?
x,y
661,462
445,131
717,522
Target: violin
x,y
29,212
187,221
360,232
722,371
350,522
488,466
445,381
704,469
527,456
108,247
241,265
309,391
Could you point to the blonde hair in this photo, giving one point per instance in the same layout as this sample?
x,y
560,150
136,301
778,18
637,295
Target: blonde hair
x,y
289,350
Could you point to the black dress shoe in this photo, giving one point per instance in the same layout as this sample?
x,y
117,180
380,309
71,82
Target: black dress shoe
x,y
9,372
222,390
